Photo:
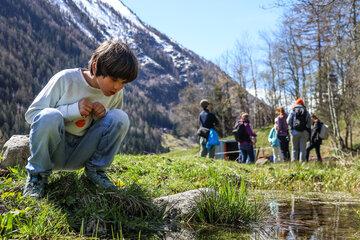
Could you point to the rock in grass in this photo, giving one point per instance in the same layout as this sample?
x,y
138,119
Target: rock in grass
x,y
15,151
180,204
262,161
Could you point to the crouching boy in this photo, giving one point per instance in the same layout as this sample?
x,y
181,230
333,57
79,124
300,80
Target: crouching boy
x,y
77,121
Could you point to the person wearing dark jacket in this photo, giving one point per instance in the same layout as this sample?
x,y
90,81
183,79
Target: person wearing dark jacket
x,y
246,140
282,129
315,140
207,120
299,121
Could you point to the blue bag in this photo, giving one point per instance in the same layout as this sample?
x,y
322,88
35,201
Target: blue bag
x,y
213,139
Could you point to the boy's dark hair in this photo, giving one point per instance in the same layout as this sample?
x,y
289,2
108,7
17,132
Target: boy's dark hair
x,y
115,59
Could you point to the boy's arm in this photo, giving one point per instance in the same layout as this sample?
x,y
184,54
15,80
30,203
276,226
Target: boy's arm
x,y
48,98
70,112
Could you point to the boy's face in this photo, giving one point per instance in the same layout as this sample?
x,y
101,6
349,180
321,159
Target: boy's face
x,y
109,85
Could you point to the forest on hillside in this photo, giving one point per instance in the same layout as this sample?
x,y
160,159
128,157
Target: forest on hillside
x,y
35,43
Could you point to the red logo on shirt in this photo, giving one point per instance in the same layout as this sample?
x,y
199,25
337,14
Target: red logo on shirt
x,y
80,123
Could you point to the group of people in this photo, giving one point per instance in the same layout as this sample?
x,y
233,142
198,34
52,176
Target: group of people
x,y
299,127
208,120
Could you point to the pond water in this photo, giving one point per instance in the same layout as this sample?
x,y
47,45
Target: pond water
x,y
311,218
302,217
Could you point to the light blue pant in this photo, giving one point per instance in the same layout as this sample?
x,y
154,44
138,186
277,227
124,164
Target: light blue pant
x,y
299,140
53,149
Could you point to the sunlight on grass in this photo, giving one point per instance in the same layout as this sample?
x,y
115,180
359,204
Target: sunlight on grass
x,y
227,205
73,208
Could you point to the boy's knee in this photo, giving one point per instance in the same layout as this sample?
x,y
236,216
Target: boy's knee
x,y
50,116
118,118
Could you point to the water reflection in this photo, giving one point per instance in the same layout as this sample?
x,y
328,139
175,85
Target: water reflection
x,y
298,218
302,218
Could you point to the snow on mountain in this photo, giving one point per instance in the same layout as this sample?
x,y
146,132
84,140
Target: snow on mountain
x,y
111,18
124,11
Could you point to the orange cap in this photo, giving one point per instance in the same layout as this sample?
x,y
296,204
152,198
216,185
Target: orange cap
x,y
299,101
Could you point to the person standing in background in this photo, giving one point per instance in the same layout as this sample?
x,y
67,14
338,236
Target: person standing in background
x,y
246,138
207,120
315,140
275,144
300,124
282,129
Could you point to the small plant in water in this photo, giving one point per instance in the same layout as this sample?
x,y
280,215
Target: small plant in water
x,y
227,205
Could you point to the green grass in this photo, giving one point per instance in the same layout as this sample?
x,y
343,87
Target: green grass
x,y
25,216
168,174
74,209
229,205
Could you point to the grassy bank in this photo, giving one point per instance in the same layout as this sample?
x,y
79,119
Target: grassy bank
x,y
74,209
176,172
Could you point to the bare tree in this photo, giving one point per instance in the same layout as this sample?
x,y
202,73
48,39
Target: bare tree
x,y
272,75
322,50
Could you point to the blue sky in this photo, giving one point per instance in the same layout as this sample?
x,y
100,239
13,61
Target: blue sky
x,y
207,27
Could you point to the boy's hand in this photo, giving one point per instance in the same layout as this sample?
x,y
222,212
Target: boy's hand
x,y
85,107
99,110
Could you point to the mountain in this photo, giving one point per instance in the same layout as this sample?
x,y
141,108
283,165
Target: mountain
x,y
35,42
39,38
166,66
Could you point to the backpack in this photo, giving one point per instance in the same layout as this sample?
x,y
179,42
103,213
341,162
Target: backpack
x,y
240,133
203,132
299,119
324,132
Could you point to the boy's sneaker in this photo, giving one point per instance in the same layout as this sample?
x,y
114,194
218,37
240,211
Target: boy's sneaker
x,y
99,178
35,186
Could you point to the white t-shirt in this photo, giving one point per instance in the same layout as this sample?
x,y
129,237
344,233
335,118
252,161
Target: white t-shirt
x,y
63,92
